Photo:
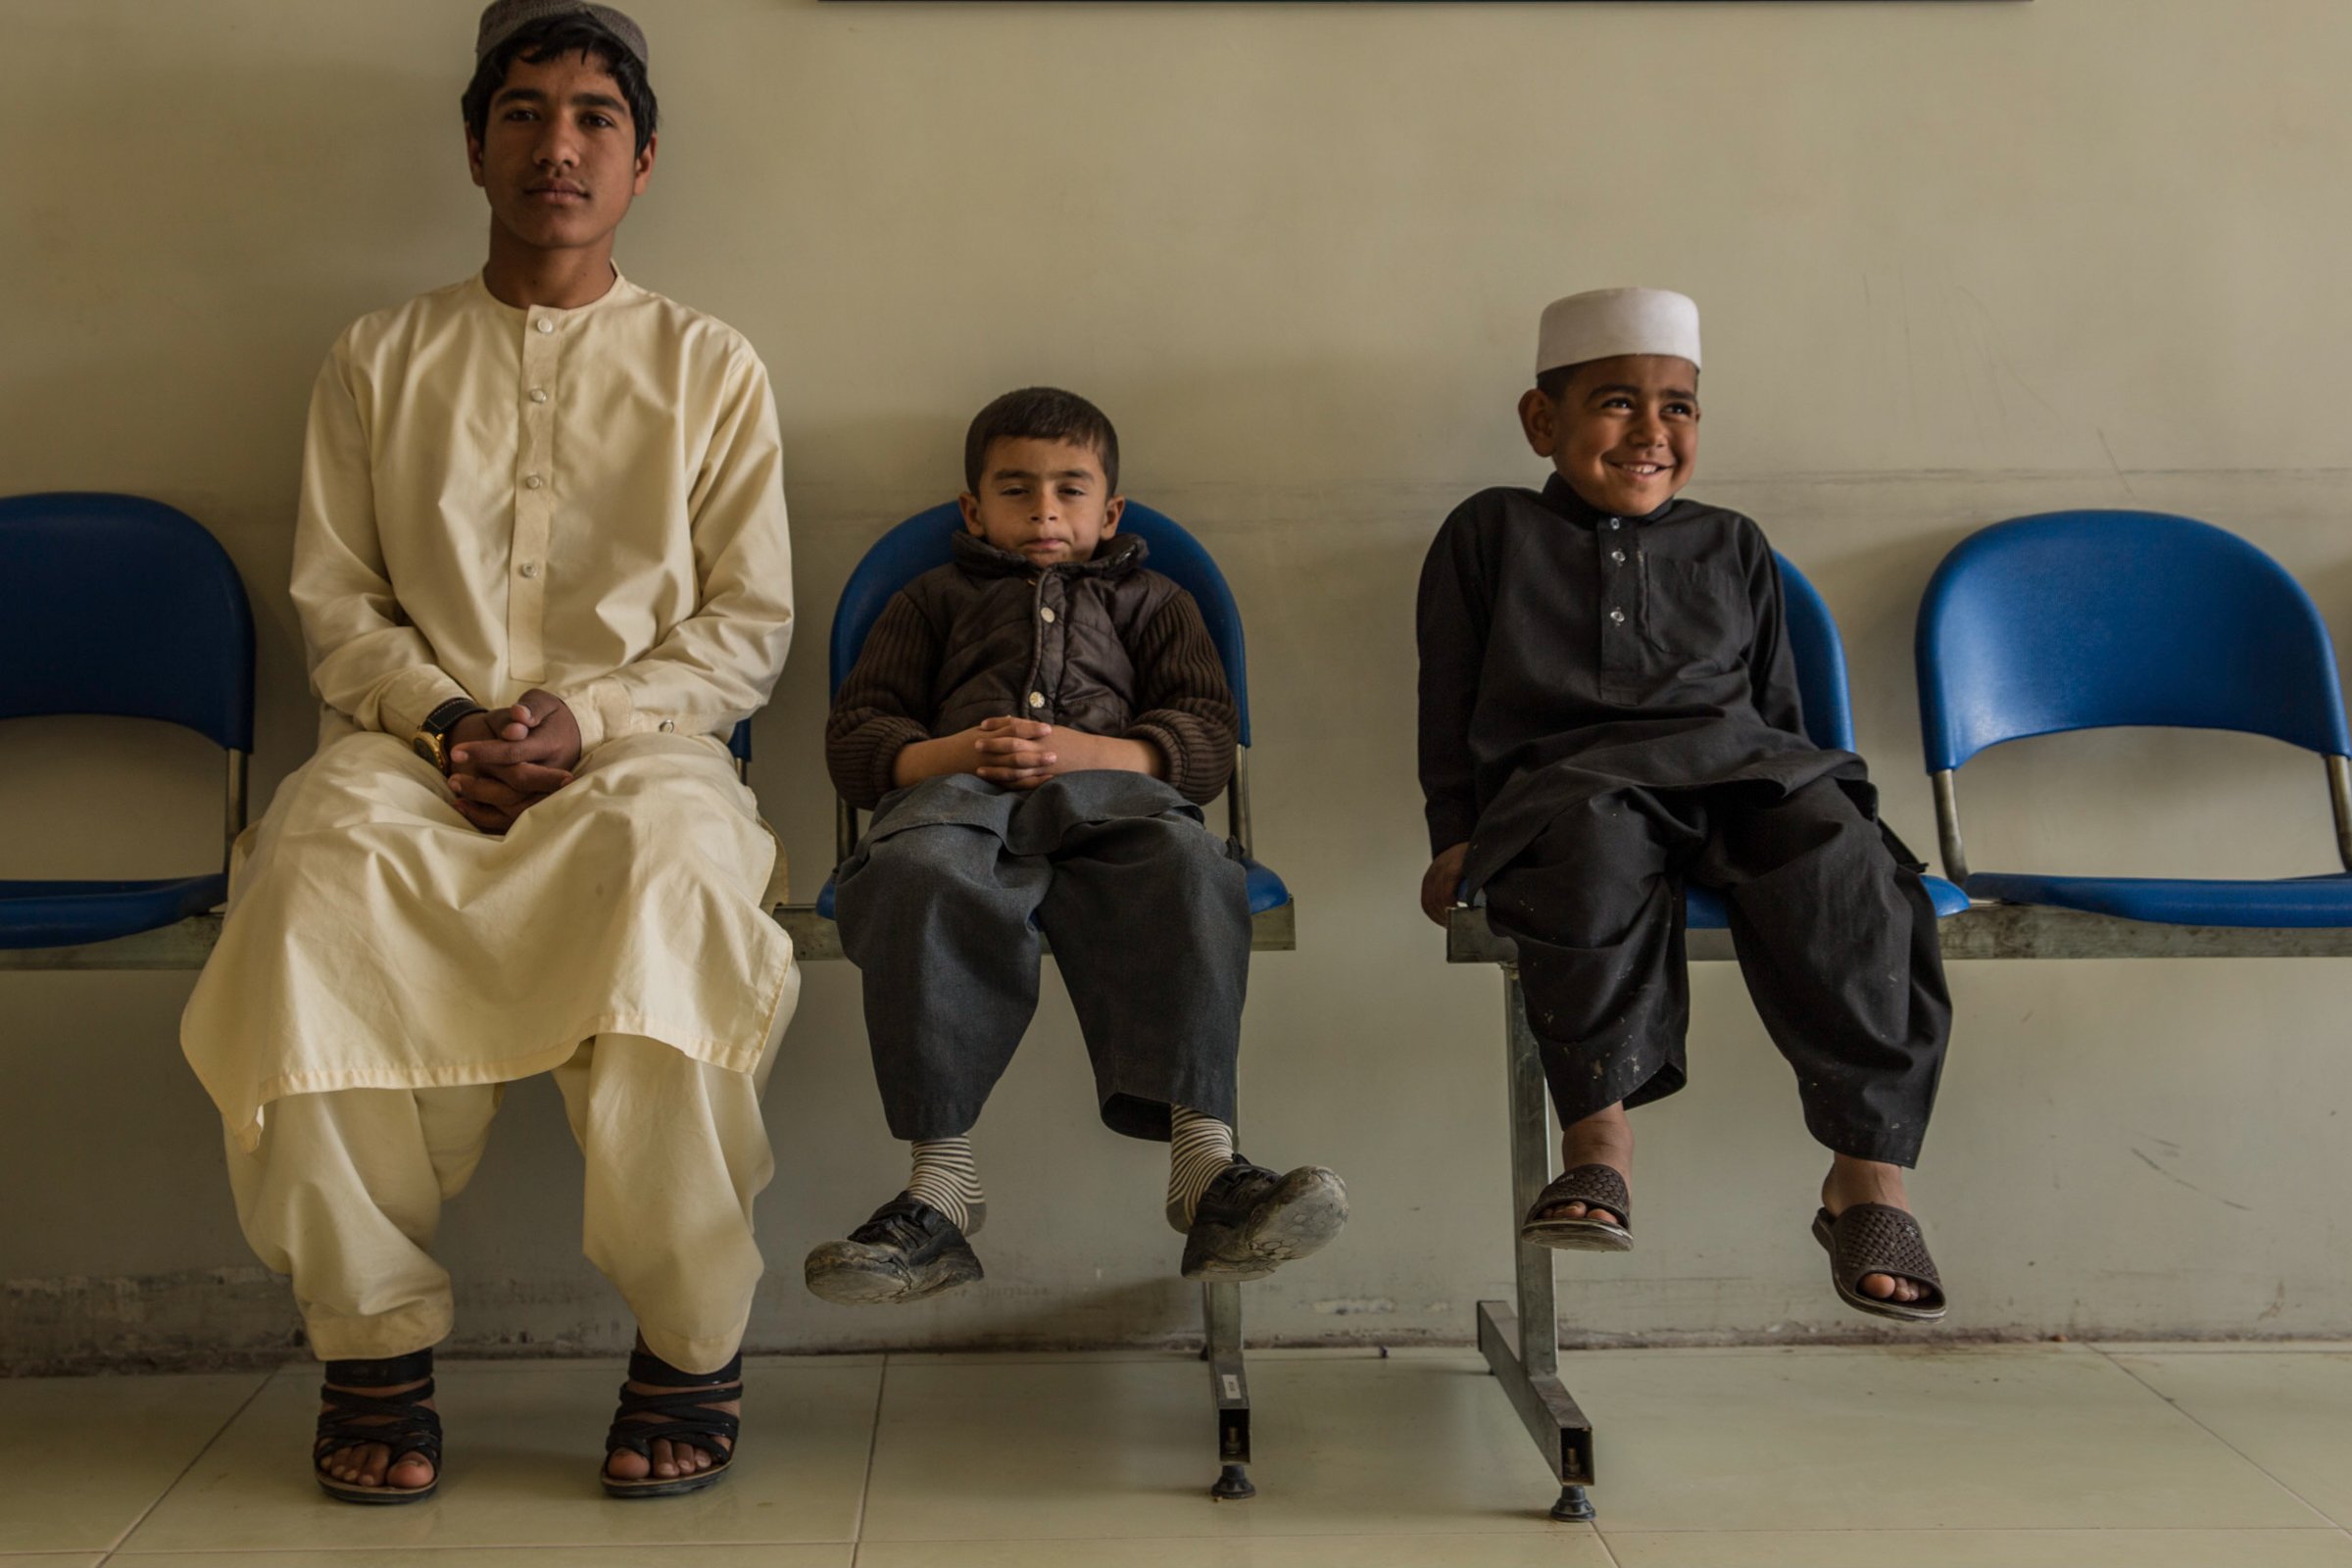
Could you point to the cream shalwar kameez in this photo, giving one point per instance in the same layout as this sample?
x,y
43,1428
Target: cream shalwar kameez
x,y
588,501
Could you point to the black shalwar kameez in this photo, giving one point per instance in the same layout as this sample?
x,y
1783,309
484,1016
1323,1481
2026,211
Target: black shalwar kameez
x,y
1608,708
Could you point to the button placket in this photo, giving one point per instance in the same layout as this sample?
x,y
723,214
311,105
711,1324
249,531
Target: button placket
x,y
1617,572
534,502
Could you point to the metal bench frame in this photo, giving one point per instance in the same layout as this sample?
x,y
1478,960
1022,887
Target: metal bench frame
x,y
1520,1339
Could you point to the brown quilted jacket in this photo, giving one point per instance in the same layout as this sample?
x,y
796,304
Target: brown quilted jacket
x,y
1103,646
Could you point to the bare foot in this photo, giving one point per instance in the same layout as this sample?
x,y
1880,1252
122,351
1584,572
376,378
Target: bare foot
x,y
1604,1137
1869,1181
372,1464
671,1460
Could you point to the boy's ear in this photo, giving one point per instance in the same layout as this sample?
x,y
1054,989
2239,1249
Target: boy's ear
x,y
971,512
645,165
473,155
1540,421
1112,511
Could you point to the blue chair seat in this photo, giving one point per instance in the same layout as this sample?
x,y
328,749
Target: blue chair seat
x,y
1703,906
67,914
1266,892
2297,901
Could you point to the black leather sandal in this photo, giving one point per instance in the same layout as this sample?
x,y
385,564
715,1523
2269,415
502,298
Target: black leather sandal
x,y
398,1421
683,1419
1594,1187
1877,1239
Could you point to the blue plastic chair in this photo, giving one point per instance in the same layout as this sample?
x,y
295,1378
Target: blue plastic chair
x,y
123,606
1829,711
924,540
2077,621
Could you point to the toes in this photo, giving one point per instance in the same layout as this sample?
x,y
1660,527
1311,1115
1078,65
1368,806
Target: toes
x,y
626,1464
410,1473
372,1461
1879,1285
666,1463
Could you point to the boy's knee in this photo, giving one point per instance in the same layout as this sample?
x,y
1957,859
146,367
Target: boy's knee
x,y
1570,906
927,865
1190,856
1820,823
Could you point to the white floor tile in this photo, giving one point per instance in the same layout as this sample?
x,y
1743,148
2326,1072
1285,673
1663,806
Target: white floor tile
x,y
1413,1447
524,1442
1985,1548
2021,1438
2290,1412
81,1458
1572,1546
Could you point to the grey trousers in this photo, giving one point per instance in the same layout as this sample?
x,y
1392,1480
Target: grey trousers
x,y
941,907
1835,940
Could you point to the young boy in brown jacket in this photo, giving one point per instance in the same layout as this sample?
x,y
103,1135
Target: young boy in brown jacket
x,y
1036,727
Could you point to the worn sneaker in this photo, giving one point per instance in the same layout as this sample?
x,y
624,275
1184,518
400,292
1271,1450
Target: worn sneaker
x,y
908,1252
1251,1221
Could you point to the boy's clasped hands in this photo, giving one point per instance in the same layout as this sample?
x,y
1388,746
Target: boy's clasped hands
x,y
1020,754
502,764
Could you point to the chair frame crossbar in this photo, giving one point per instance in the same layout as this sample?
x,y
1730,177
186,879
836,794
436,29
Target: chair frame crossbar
x,y
1955,852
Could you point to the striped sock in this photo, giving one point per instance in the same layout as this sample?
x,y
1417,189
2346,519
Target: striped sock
x,y
1199,1148
948,1178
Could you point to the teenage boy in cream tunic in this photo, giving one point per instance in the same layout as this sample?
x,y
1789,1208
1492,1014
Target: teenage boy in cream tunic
x,y
542,569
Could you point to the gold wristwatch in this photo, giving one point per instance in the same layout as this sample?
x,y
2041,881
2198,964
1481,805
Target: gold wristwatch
x,y
431,740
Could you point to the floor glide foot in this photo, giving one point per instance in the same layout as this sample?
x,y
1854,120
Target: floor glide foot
x,y
1574,1507
1234,1484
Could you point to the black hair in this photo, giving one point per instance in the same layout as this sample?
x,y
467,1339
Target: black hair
x,y
1040,413
551,38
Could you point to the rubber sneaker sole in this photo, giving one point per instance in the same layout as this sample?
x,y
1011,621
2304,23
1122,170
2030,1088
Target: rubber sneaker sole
x,y
1298,1217
854,1274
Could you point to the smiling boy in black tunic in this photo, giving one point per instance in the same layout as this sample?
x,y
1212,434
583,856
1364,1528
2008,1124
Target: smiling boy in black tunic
x,y
1608,709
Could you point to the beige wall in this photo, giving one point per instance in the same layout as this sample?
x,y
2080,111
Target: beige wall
x,y
1960,261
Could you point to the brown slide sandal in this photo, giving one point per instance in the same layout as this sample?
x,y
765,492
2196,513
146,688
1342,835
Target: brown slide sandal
x,y
1875,1239
1594,1187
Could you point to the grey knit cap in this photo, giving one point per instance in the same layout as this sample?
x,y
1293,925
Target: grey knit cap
x,y
503,19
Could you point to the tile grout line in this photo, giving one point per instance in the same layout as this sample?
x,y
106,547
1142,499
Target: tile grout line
x,y
1607,1549
194,1459
866,1485
2263,1470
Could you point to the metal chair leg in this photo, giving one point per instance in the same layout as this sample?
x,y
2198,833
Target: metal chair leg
x,y
1520,1340
1229,1385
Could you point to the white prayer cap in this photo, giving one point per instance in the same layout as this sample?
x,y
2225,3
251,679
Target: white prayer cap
x,y
1609,321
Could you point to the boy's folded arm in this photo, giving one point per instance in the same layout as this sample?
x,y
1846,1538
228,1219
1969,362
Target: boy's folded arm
x,y
883,707
1450,631
1184,711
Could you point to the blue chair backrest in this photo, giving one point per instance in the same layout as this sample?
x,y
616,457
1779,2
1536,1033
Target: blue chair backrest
x,y
1820,653
2090,619
923,542
122,606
